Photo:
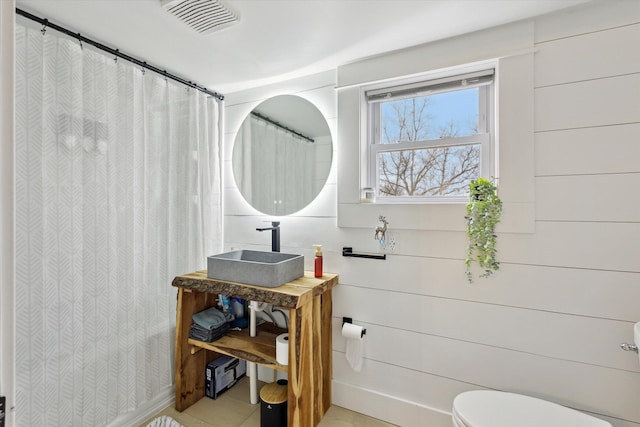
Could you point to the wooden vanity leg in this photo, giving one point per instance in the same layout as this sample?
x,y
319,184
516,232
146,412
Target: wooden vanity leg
x,y
326,349
301,406
318,366
190,368
322,368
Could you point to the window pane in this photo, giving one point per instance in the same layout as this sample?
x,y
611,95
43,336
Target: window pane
x,y
442,115
429,172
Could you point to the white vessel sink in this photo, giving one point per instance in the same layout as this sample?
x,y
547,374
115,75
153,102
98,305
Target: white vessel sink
x,y
266,269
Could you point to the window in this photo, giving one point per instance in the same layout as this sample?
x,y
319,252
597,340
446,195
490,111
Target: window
x,y
427,140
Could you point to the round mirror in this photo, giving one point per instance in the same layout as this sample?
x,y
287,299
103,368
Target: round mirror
x,y
282,155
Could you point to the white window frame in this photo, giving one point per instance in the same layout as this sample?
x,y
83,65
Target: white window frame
x,y
410,88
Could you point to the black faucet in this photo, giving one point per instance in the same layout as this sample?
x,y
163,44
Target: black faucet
x,y
275,235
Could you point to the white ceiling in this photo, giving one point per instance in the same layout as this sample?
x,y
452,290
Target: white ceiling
x,y
279,39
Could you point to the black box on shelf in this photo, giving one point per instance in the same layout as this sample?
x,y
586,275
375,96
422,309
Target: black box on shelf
x,y
222,373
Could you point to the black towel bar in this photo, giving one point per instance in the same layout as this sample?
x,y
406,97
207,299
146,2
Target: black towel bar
x,y
347,251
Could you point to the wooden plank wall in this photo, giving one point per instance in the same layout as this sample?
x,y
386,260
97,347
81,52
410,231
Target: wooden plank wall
x,y
549,324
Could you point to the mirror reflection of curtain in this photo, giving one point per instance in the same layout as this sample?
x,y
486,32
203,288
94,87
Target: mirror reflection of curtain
x,y
117,191
278,168
242,164
299,164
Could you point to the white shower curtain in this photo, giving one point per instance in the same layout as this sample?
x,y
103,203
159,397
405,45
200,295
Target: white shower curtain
x,y
117,191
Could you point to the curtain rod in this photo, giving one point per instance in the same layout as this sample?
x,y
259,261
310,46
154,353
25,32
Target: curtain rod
x,y
117,53
276,124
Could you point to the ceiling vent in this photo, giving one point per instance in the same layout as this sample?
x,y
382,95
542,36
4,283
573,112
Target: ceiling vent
x,y
204,16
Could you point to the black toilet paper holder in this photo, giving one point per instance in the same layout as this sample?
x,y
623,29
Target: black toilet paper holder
x,y
350,320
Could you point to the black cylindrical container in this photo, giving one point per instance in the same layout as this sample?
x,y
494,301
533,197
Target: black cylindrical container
x,y
273,404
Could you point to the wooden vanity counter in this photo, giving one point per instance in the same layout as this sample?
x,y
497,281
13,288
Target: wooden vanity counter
x,y
308,300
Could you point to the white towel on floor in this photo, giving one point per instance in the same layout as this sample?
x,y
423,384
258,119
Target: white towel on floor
x,y
164,421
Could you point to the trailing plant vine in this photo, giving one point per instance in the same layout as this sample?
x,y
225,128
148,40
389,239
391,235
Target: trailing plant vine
x,y
483,213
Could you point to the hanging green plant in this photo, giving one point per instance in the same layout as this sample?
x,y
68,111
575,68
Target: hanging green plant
x,y
483,214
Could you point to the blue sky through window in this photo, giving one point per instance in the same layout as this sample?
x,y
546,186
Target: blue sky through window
x,y
458,108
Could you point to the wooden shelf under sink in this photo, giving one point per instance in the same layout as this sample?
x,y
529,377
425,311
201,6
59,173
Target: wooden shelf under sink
x,y
309,371
260,349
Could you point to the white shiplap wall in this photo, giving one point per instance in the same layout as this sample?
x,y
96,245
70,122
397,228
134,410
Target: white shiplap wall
x,y
550,322
241,219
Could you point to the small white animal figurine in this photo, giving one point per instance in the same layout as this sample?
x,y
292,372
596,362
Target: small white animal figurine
x,y
380,231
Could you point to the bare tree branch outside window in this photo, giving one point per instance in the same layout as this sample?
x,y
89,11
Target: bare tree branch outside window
x,y
437,171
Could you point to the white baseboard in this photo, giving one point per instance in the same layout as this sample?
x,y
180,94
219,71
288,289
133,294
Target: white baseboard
x,y
388,408
146,411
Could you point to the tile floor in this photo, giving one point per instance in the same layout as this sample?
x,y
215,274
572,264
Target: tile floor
x,y
233,409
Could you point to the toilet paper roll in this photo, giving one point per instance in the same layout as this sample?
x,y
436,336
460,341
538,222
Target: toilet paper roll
x,y
282,349
636,337
354,335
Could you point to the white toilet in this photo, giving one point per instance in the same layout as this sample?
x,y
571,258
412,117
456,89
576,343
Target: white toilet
x,y
486,408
